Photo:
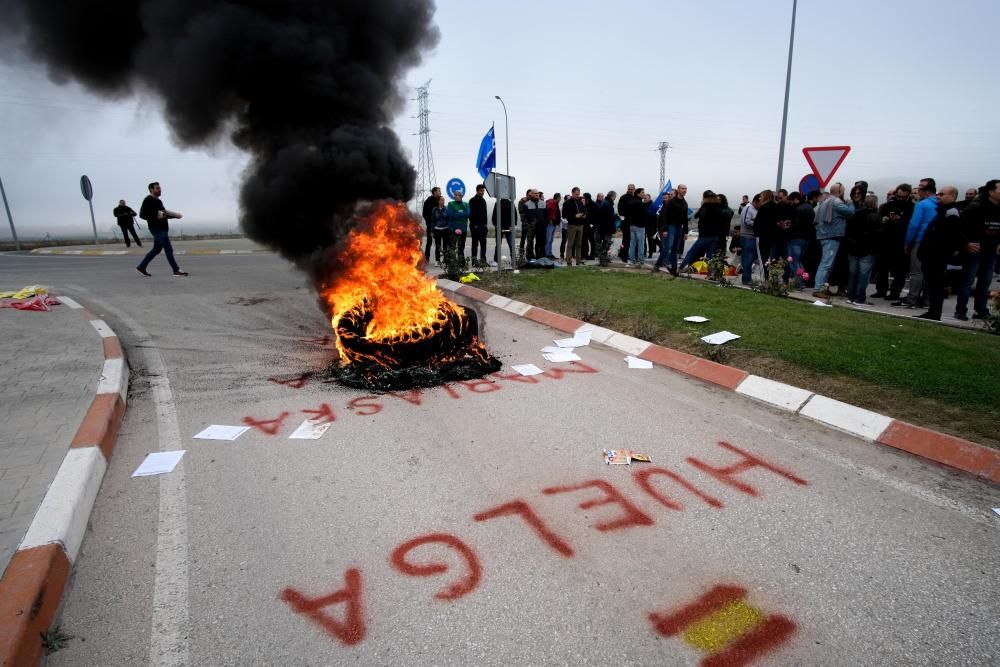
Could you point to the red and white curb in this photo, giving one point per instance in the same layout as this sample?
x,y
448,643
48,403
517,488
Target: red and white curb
x,y
867,425
32,586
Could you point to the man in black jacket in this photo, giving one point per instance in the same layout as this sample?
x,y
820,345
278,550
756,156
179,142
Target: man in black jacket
x,y
672,220
979,241
889,257
428,214
156,216
624,203
938,245
126,220
478,225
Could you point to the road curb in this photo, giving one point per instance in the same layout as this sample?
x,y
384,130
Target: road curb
x,y
32,587
876,428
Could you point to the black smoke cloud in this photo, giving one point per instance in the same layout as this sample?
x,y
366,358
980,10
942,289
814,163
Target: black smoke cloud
x,y
306,88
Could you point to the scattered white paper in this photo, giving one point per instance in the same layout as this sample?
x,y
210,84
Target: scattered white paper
x,y
552,348
720,338
584,334
696,318
575,341
311,429
221,432
159,463
997,510
636,362
565,355
527,369
817,302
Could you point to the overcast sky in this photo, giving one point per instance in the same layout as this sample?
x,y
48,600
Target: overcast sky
x,y
591,88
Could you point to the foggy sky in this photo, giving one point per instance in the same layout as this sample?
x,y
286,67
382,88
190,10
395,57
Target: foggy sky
x,y
591,88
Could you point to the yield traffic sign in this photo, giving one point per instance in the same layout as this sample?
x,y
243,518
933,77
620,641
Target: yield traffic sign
x,y
825,160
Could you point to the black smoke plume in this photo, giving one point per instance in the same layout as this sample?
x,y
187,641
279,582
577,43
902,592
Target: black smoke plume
x,y
307,88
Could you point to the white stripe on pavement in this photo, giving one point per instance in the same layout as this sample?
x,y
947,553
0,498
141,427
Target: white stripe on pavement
x,y
66,301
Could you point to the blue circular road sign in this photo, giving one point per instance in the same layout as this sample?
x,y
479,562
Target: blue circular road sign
x,y
454,187
809,183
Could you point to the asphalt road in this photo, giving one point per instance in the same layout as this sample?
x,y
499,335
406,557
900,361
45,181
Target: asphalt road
x,y
477,524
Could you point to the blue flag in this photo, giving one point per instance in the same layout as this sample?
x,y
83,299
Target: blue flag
x,y
486,161
657,204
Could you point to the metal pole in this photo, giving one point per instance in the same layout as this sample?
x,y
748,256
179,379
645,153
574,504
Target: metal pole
x,y
788,84
506,132
93,222
506,139
17,244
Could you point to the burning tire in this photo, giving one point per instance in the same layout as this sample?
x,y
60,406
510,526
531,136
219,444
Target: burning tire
x,y
447,350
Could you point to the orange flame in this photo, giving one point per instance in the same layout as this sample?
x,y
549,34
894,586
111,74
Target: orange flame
x,y
381,257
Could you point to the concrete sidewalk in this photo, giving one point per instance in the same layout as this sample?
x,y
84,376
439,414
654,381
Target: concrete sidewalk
x,y
53,363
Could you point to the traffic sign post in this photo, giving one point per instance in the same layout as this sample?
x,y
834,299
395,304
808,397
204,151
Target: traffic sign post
x,y
455,186
825,161
501,186
3,193
87,190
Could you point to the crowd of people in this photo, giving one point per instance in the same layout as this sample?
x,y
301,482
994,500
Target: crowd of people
x,y
832,242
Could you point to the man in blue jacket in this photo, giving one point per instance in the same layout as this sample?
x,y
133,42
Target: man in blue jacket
x,y
925,211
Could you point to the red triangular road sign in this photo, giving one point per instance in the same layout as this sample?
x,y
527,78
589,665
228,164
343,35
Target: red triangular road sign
x,y
825,161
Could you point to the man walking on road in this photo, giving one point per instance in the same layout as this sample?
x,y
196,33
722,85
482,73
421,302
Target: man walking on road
x,y
156,216
126,220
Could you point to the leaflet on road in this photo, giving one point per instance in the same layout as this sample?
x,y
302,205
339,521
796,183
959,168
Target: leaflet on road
x,y
159,463
221,432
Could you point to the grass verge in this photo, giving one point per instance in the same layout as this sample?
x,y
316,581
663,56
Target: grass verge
x,y
940,377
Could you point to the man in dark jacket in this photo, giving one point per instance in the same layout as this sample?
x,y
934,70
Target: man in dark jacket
x,y
428,215
575,213
940,241
979,240
890,261
711,225
623,205
478,225
860,242
126,220
156,215
672,220
802,232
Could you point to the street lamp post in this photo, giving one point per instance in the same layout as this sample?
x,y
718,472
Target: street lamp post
x,y
788,83
506,138
3,193
506,133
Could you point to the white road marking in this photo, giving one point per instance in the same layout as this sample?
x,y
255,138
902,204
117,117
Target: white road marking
x,y
170,626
